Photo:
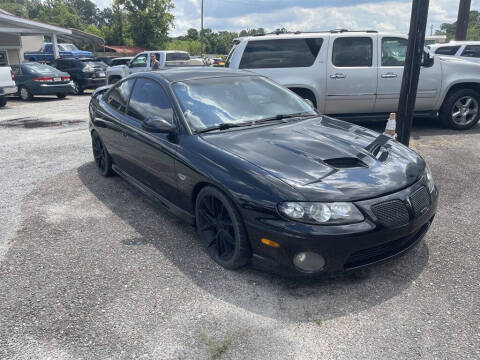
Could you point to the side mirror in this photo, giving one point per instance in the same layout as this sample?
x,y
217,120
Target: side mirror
x,y
309,102
428,59
157,125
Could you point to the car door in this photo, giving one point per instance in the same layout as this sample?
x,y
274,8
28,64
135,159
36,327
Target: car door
x,y
153,153
392,60
112,123
19,74
351,74
139,63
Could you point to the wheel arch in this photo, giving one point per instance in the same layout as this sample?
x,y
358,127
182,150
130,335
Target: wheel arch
x,y
462,85
305,93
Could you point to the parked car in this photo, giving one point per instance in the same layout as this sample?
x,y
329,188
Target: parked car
x,y
85,73
218,62
141,62
45,54
121,61
39,79
7,84
467,50
106,59
355,75
261,174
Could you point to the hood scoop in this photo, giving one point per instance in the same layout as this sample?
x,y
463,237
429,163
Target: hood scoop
x,y
345,163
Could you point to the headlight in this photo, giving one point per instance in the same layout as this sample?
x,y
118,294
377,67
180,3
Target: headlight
x,y
321,213
429,179
88,69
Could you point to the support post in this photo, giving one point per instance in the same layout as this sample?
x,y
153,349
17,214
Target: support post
x,y
462,20
201,31
411,72
56,54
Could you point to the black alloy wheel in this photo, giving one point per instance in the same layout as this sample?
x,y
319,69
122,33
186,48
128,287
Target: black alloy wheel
x,y
221,230
77,88
101,156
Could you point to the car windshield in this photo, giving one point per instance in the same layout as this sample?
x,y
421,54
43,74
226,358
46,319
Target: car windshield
x,y
211,102
40,68
67,47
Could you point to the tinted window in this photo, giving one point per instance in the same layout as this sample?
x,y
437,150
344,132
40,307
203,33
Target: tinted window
x,y
447,50
149,100
282,53
119,62
352,52
471,51
394,51
118,96
176,56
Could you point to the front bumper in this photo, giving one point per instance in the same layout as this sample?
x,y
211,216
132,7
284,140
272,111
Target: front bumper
x,y
345,247
93,83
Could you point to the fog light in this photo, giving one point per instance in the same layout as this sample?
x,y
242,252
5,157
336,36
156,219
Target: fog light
x,y
309,261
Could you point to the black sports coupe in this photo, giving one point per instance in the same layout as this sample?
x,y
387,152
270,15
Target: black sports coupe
x,y
264,178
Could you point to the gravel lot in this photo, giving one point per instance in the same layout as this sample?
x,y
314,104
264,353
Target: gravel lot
x,y
91,269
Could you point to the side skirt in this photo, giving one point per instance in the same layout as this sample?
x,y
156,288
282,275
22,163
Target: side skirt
x,y
184,215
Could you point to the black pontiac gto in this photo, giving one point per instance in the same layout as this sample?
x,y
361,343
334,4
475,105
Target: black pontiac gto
x,y
264,178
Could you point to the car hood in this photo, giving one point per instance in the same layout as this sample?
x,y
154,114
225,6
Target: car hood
x,y
325,159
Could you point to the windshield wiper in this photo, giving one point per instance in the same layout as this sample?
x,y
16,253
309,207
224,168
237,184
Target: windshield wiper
x,y
224,126
283,117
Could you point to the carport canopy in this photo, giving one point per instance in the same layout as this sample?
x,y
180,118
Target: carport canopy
x,y
81,38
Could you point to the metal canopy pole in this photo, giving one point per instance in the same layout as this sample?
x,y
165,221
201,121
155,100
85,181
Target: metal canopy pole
x,y
201,32
462,20
411,72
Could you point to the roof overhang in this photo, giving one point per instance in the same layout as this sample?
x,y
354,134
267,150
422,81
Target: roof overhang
x,y
81,38
16,25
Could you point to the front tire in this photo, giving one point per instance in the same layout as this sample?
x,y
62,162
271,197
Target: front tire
x,y
61,96
461,109
77,88
25,94
220,229
3,101
101,156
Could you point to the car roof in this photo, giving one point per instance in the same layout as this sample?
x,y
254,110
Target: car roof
x,y
455,43
197,72
303,35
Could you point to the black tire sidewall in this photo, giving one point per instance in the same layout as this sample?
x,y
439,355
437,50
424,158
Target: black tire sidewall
x,y
29,96
446,111
242,252
79,88
3,101
107,171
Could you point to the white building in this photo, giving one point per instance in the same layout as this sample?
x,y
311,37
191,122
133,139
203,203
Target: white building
x,y
18,35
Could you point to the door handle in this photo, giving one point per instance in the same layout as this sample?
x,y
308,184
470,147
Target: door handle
x,y
337,76
389,76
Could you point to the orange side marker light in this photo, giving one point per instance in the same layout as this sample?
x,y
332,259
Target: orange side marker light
x,y
269,242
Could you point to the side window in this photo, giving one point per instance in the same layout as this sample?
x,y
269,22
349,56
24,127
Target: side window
x,y
118,96
149,100
281,53
48,48
447,50
472,51
352,52
139,61
394,51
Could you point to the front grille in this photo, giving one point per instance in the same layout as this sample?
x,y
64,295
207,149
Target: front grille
x,y
391,213
378,253
420,201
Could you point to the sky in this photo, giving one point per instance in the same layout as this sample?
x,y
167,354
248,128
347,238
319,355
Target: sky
x,y
306,15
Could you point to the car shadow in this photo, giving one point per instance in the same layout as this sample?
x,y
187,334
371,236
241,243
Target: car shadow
x,y
258,292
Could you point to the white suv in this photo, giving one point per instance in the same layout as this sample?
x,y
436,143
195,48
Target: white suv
x,y
355,75
467,50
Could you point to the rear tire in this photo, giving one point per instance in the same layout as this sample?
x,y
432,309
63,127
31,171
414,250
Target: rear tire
x,y
3,101
24,93
461,109
101,156
61,96
220,229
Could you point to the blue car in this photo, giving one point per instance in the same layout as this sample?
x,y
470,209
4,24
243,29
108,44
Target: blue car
x,y
65,51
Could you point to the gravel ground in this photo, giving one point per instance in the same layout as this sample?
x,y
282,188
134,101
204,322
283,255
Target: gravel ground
x,y
91,269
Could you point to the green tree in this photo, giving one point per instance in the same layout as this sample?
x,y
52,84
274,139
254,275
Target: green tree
x,y
192,34
193,47
57,13
473,31
150,21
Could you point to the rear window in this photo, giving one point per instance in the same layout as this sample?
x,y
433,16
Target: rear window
x,y
352,52
472,51
177,56
282,53
447,50
39,68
